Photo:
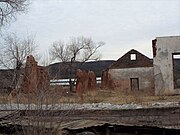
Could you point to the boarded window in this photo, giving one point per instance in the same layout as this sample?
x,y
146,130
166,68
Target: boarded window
x,y
134,83
176,70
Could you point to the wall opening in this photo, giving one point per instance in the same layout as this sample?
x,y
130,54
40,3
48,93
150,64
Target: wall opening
x,y
134,84
176,70
133,56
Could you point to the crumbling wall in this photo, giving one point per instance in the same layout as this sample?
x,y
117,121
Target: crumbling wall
x,y
163,64
106,80
82,82
122,78
92,84
86,81
130,73
36,78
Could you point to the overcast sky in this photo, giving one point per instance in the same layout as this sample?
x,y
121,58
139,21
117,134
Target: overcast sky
x,y
121,24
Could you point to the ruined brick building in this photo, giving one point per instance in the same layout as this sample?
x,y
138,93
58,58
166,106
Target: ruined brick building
x,y
133,71
36,78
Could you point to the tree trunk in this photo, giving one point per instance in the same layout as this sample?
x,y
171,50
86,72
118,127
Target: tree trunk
x,y
71,84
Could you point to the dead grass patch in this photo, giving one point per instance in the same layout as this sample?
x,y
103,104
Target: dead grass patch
x,y
60,95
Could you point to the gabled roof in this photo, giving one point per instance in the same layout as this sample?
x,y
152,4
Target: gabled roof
x,y
126,62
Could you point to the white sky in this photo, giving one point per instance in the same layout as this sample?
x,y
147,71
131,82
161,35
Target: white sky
x,y
121,24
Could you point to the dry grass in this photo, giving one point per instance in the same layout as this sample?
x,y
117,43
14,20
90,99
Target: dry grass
x,y
119,97
3,98
59,95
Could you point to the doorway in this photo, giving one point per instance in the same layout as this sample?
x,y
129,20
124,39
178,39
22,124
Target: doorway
x,y
176,70
134,84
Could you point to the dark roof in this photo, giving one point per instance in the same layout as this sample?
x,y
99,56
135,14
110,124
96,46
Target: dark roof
x,y
126,62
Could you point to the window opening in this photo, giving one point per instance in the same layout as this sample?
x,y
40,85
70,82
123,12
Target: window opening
x,y
133,56
176,70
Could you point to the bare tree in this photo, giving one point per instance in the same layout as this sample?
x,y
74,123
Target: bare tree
x,y
10,8
14,51
79,49
34,108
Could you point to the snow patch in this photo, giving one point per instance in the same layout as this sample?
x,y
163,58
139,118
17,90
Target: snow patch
x,y
85,106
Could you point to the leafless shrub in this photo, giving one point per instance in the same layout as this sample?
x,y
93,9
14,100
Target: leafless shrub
x,y
42,114
13,53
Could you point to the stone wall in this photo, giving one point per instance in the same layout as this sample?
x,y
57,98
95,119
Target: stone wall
x,y
163,64
122,78
133,71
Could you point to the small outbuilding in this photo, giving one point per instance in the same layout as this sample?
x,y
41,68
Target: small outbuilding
x,y
132,72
